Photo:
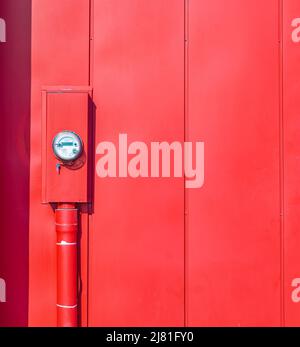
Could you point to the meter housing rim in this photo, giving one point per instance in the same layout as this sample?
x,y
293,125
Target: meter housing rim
x,y
78,155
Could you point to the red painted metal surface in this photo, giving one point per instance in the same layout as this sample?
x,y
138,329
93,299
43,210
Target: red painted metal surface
x,y
66,222
65,108
14,163
291,155
136,274
233,236
60,30
152,253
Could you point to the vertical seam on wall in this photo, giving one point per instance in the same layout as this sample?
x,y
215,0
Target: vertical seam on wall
x,y
281,166
91,43
186,136
91,82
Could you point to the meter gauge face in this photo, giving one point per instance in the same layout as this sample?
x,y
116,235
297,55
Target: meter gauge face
x,y
67,146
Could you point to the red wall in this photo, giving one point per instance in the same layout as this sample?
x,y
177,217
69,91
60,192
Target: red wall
x,y
224,254
137,230
291,161
234,234
14,164
60,30
153,253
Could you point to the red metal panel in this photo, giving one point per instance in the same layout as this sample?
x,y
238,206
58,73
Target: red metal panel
x,y
65,110
233,238
14,164
291,111
137,243
234,258
60,56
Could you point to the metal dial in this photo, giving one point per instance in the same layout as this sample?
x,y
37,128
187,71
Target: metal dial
x,y
67,146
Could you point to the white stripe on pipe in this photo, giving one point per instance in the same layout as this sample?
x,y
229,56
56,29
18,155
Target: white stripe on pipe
x,y
66,225
64,243
64,306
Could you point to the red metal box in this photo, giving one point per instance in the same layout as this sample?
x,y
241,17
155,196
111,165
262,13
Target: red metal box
x,y
64,108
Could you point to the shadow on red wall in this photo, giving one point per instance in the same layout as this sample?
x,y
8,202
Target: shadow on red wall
x,y
14,163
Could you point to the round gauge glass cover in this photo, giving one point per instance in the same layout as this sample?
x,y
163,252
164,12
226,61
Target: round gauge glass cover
x,y
67,146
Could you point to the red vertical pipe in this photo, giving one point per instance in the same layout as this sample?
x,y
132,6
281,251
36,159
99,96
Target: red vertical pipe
x,y
66,220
